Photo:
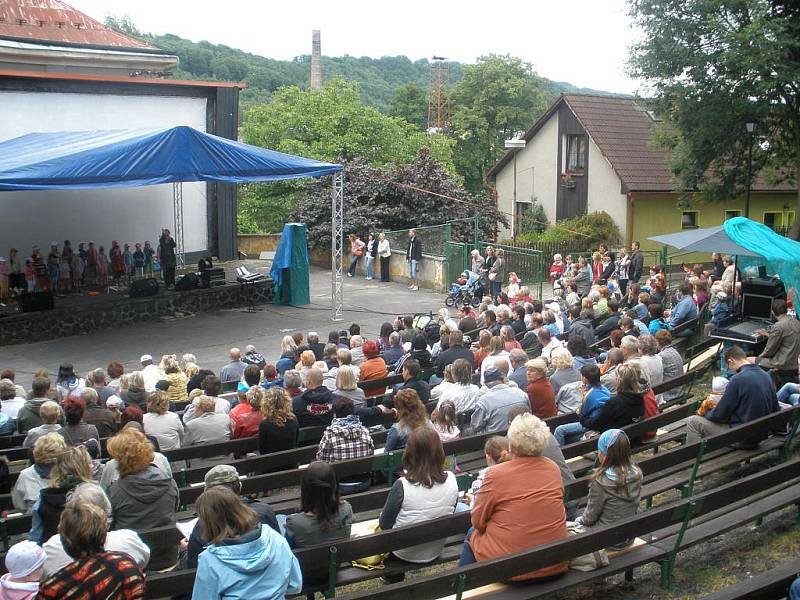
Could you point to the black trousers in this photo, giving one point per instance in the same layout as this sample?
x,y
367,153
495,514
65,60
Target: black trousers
x,y
385,268
169,276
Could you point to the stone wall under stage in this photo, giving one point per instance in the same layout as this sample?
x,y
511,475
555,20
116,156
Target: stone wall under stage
x,y
107,312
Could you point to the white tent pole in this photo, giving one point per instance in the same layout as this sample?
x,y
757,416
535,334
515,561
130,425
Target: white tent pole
x,y
337,246
177,218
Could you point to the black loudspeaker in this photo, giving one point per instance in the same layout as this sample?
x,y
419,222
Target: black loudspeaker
x,y
142,288
187,282
36,301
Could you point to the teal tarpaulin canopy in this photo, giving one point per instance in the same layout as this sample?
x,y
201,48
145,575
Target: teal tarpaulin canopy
x,y
752,242
781,254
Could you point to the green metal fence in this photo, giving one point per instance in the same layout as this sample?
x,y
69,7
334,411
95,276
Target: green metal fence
x,y
434,238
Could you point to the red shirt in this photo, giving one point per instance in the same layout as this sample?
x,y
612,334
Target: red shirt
x,y
104,575
246,425
542,398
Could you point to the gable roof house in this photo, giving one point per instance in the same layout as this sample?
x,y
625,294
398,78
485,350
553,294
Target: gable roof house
x,y
590,153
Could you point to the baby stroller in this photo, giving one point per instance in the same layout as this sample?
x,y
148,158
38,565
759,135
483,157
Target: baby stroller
x,y
467,290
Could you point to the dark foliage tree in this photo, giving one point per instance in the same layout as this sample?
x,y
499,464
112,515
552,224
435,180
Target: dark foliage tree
x,y
389,198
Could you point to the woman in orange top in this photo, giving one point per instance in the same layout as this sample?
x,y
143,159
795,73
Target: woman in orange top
x,y
373,367
502,519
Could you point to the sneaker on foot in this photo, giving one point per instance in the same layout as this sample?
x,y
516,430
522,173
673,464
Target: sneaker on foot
x,y
349,274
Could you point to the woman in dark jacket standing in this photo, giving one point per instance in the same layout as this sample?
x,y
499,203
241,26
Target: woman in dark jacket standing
x,y
626,406
166,256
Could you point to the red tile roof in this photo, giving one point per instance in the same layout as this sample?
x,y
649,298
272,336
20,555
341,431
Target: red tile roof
x,y
13,73
55,21
623,132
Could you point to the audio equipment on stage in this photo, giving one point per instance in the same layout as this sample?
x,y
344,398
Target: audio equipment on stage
x,y
142,288
188,282
36,301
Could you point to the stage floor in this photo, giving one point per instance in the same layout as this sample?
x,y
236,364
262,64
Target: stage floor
x,y
210,335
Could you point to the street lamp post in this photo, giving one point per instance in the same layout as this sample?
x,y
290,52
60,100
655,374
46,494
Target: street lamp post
x,y
751,127
514,144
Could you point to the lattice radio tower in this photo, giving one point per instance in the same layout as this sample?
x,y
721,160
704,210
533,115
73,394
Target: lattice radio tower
x,y
439,96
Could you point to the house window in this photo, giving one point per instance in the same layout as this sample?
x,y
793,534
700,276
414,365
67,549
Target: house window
x,y
773,219
576,153
689,219
730,214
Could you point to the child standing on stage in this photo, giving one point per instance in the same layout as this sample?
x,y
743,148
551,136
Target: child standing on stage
x,y
39,269
53,262
149,253
138,261
65,269
127,258
102,267
30,275
117,262
77,269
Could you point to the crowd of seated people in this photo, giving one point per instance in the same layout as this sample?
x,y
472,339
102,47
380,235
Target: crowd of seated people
x,y
506,364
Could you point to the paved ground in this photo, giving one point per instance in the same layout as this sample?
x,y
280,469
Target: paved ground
x,y
210,335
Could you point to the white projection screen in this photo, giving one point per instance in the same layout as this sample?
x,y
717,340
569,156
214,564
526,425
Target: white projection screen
x,y
124,214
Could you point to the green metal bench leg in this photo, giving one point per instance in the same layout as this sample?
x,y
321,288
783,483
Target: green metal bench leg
x,y
461,583
4,534
786,451
629,576
183,485
668,564
333,565
688,489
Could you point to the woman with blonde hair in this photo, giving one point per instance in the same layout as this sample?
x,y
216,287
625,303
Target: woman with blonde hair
x,y
509,338
177,380
343,357
288,355
565,372
247,423
160,423
33,479
411,415
484,347
627,405
306,363
135,394
144,497
347,386
502,522
278,430
497,350
72,468
244,559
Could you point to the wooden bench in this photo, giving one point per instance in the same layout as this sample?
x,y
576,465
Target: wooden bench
x,y
777,486
770,585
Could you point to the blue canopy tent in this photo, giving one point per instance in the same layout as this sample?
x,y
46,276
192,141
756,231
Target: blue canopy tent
x,y
749,241
135,157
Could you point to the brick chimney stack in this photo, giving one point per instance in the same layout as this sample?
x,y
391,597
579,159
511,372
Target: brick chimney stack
x,y
316,60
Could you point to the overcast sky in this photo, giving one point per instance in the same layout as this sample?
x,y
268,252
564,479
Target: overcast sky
x,y
583,42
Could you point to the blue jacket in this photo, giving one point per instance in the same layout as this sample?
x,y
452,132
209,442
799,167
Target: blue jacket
x,y
594,400
7,425
251,567
657,325
684,310
749,395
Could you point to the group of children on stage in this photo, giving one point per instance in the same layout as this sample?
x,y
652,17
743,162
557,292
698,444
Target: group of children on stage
x,y
66,270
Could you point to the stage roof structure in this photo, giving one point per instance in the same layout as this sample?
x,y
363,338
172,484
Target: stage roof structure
x,y
135,157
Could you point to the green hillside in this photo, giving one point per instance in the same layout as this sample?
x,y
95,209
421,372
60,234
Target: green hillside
x,y
378,78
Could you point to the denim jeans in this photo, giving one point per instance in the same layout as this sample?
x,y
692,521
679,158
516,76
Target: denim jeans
x,y
789,394
413,268
353,265
369,264
496,288
794,591
467,556
568,433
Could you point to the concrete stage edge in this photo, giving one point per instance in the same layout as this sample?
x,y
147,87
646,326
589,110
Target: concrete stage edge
x,y
103,312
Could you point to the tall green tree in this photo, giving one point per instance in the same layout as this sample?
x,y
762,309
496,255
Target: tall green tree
x,y
331,124
409,102
714,65
497,97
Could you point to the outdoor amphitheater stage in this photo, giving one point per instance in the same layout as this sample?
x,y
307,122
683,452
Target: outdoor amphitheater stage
x,y
81,314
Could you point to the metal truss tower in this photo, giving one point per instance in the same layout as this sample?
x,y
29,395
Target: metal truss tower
x,y
439,96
